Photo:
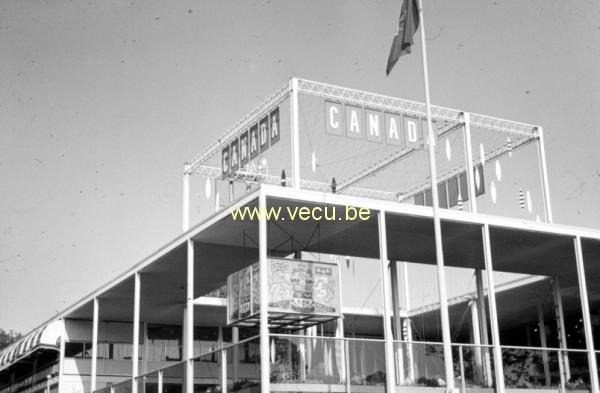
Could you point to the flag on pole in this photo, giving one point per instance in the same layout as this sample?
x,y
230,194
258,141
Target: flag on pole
x,y
407,26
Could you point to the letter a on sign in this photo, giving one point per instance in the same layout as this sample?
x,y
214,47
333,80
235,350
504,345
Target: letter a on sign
x,y
333,117
393,129
412,132
354,122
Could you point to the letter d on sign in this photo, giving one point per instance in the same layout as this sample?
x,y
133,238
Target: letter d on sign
x,y
412,127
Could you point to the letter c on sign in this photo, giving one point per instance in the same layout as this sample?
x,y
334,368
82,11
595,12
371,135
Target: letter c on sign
x,y
333,111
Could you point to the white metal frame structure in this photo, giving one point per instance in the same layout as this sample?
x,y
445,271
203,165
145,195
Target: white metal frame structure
x,y
384,204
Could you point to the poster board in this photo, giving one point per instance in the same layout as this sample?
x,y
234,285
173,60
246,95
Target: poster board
x,y
299,289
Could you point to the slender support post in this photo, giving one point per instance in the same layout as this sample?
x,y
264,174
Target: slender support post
x,y
235,338
439,252
61,358
544,175
387,321
543,343
186,196
463,386
160,381
498,367
469,162
189,320
347,365
562,335
295,133
145,354
265,366
340,348
231,191
94,344
222,360
397,322
479,373
409,335
135,354
483,326
587,321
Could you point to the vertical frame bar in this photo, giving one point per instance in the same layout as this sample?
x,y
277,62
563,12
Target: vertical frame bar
x,y
543,343
295,128
409,335
189,319
498,367
390,373
136,333
544,175
398,355
235,338
483,327
265,366
186,197
469,162
61,356
562,335
222,360
160,381
94,344
585,310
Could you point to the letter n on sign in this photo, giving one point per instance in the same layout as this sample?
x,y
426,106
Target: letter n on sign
x,y
374,126
334,118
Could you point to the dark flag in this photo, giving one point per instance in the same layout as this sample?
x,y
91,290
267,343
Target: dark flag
x,y
403,40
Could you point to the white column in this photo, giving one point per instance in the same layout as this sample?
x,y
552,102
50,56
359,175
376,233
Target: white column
x,y
222,360
477,341
186,197
136,333
61,356
160,381
387,321
145,353
265,366
397,321
585,310
498,367
235,338
189,320
409,335
543,343
483,326
94,344
340,344
469,162
544,175
295,127
560,322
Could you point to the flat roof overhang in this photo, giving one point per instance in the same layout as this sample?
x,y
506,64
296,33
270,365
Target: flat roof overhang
x,y
222,246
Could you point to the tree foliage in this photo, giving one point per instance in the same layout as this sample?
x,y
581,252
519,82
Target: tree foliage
x,y
8,337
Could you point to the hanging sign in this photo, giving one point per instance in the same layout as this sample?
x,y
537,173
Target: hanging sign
x,y
294,287
255,140
355,122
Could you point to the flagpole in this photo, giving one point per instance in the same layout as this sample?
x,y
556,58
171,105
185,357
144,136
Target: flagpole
x,y
439,253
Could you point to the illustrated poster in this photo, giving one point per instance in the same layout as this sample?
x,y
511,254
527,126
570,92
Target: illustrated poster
x,y
280,288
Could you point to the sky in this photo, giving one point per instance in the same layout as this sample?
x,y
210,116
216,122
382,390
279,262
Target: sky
x,y
101,103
